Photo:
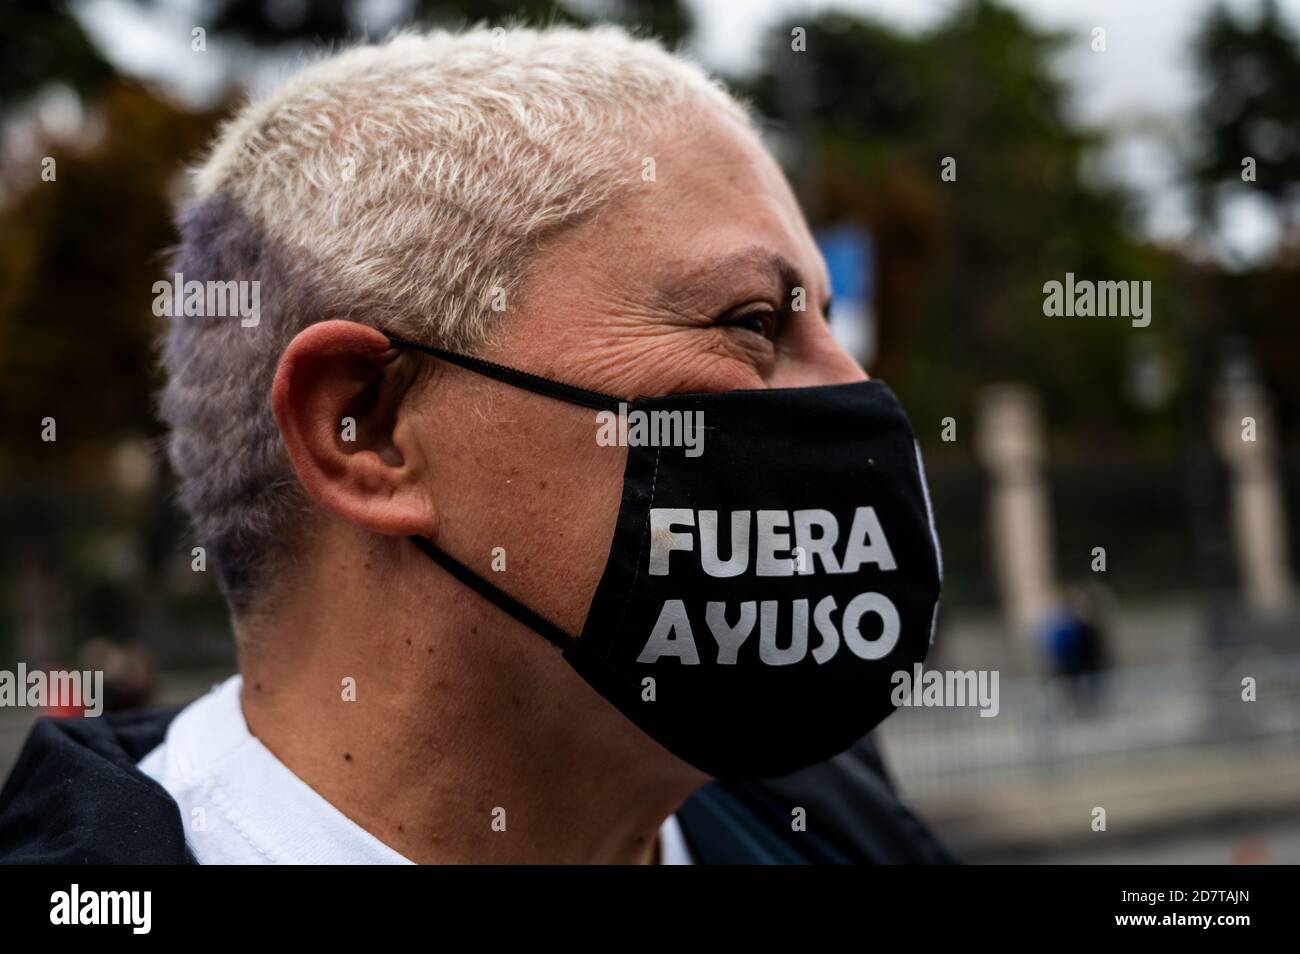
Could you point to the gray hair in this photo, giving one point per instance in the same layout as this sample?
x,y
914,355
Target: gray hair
x,y
405,186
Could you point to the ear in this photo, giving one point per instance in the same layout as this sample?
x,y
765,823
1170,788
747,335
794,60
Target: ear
x,y
341,400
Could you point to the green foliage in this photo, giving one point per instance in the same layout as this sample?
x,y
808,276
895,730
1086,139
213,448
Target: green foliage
x,y
961,265
78,259
1249,72
1249,107
273,23
40,44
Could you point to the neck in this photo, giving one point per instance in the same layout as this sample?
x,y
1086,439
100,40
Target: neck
x,y
469,739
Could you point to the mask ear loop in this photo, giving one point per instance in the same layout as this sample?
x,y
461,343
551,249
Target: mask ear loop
x,y
520,379
529,382
494,594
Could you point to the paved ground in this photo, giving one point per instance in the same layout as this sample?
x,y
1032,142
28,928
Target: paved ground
x,y
1214,807
1180,763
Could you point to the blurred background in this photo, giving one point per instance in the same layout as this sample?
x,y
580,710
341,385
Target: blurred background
x,y
1119,506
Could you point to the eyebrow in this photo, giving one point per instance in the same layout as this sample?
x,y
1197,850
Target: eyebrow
x,y
702,285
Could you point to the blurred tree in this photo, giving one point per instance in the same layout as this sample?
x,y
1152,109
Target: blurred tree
x,y
1249,108
273,23
40,44
78,258
961,264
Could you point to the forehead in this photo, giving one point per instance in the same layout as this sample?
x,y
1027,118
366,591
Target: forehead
x,y
717,204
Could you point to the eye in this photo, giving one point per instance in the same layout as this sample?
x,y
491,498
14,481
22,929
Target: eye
x,y
761,321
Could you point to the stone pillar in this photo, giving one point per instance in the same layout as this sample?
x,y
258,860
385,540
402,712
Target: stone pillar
x,y
1010,444
1247,443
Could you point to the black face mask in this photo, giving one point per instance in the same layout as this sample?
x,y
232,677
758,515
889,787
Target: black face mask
x,y
762,588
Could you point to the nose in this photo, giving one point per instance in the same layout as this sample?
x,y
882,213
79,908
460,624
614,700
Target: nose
x,y
816,358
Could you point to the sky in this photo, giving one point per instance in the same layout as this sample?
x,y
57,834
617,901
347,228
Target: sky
x,y
1141,87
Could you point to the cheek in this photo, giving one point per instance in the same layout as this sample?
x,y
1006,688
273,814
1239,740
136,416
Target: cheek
x,y
528,498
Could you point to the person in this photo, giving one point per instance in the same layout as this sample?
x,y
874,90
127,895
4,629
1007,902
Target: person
x,y
455,267
1074,642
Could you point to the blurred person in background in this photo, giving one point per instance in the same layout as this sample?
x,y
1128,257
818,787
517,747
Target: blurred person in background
x,y
129,679
1074,642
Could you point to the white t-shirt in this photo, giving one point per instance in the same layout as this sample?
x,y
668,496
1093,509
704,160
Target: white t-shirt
x,y
241,805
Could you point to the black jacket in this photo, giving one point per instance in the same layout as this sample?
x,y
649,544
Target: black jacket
x,y
75,796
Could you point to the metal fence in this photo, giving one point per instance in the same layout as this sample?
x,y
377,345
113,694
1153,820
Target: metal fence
x,y
1125,722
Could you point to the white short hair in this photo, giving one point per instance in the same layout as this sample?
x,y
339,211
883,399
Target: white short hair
x,y
407,186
